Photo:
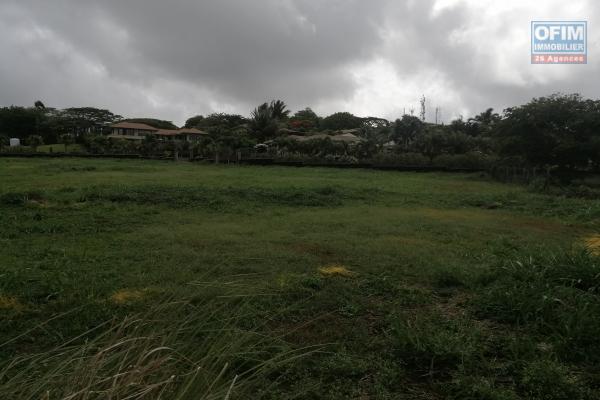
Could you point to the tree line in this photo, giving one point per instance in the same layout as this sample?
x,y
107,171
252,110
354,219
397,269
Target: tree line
x,y
560,130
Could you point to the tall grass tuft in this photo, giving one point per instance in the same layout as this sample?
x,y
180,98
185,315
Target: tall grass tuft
x,y
174,350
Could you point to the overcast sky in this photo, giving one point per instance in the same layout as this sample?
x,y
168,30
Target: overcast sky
x,y
175,59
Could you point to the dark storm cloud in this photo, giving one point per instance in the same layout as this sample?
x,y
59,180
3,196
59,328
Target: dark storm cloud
x,y
178,58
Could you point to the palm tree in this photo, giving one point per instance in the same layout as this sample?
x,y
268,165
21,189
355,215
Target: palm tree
x,y
278,109
263,123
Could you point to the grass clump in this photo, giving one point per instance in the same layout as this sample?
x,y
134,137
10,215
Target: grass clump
x,y
554,296
433,345
174,350
21,198
546,379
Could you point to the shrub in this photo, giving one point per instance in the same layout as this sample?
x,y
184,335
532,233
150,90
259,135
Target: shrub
x,y
401,159
472,160
343,159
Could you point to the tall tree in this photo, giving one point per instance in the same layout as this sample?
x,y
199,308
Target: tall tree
x,y
263,123
78,120
406,130
21,122
223,120
155,123
341,120
305,120
482,124
557,130
279,109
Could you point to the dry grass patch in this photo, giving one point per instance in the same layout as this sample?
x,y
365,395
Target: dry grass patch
x,y
125,296
593,244
336,270
10,303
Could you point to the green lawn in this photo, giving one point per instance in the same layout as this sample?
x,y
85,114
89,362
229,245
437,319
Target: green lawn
x,y
59,148
418,285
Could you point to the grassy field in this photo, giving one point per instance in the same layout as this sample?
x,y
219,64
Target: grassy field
x,y
308,283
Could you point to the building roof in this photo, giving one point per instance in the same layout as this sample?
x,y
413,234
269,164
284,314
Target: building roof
x,y
133,125
192,131
160,132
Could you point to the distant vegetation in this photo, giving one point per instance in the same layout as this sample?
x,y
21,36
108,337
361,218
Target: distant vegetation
x,y
156,123
559,132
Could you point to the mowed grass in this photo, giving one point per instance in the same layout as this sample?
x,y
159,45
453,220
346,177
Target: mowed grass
x,y
412,285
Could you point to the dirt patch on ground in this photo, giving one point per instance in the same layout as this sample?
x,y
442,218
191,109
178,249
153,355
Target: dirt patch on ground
x,y
539,225
10,303
455,305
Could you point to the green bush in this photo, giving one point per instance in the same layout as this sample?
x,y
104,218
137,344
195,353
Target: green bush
x,y
343,159
18,149
472,160
401,159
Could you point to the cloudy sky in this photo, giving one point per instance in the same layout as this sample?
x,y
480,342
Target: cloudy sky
x,y
175,59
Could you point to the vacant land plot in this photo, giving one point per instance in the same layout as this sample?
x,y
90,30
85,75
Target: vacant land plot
x,y
322,283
